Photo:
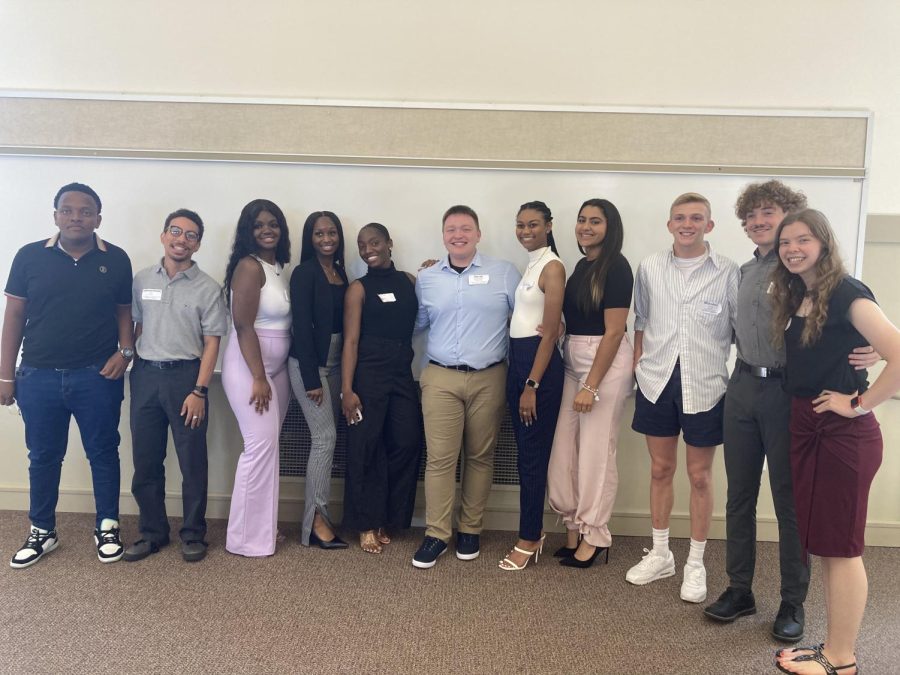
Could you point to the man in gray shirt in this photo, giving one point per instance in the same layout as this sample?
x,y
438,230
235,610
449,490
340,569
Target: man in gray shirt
x,y
179,316
757,413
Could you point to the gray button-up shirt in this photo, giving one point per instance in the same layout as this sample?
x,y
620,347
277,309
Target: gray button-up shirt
x,y
753,330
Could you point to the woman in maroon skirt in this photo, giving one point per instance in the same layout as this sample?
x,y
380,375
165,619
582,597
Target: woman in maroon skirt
x,y
822,314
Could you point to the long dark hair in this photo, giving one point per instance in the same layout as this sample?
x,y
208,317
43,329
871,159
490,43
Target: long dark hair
x,y
544,210
590,294
307,250
245,244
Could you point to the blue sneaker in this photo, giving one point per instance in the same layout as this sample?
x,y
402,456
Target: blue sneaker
x,y
468,546
428,553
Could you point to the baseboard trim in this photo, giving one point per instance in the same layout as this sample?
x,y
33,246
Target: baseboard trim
x,y
502,512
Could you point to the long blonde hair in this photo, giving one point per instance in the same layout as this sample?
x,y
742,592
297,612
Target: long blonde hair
x,y
788,289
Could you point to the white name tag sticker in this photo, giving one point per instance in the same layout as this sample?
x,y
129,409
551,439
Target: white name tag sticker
x,y
387,297
151,294
479,279
708,307
769,292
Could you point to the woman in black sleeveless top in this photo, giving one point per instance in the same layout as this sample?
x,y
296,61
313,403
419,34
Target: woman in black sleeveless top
x,y
379,396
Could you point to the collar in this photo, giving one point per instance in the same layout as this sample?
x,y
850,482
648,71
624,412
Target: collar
x,y
190,273
98,242
768,256
712,255
476,261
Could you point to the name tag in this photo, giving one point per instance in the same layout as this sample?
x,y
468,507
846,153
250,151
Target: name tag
x,y
151,294
527,285
387,297
708,307
479,279
770,289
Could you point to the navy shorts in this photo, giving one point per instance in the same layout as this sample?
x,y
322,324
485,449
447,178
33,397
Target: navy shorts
x,y
667,418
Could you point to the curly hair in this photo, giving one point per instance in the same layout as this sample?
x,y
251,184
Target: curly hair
x,y
245,244
788,289
590,294
771,192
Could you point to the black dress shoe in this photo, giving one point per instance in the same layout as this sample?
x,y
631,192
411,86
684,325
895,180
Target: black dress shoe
x,y
789,622
731,604
334,543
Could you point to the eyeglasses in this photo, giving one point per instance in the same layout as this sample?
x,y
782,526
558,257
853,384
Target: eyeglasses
x,y
190,235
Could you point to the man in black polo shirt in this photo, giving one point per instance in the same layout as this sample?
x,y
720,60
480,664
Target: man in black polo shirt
x,y
69,297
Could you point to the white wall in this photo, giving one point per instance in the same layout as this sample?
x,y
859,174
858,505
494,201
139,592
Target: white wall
x,y
806,53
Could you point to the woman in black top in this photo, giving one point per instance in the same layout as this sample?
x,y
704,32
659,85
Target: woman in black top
x,y
380,397
821,314
583,477
317,306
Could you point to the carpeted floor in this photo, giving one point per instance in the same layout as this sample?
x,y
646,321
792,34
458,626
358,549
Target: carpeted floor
x,y
308,610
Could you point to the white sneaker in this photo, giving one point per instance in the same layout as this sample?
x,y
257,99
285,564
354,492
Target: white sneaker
x,y
693,588
106,537
39,543
652,567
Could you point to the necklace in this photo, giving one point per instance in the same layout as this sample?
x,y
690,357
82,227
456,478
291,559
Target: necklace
x,y
530,266
330,273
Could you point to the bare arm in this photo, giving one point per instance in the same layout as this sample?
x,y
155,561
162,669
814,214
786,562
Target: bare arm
x,y
616,320
638,347
138,330
870,321
11,342
553,283
116,364
246,284
194,407
353,303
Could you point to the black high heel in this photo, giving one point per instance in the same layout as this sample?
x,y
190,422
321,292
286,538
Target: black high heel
x,y
572,561
332,544
565,551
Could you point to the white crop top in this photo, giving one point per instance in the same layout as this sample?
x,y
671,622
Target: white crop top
x,y
274,299
529,309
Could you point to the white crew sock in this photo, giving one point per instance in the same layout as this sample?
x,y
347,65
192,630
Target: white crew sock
x,y
661,542
695,557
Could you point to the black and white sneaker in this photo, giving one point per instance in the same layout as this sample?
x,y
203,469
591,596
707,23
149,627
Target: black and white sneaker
x,y
106,537
39,543
468,546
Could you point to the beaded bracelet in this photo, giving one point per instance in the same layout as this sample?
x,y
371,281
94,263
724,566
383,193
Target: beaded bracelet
x,y
585,385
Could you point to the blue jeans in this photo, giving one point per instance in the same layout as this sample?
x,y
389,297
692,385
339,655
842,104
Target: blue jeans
x,y
48,398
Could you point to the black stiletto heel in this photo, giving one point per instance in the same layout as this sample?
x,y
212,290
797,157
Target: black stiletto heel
x,y
572,561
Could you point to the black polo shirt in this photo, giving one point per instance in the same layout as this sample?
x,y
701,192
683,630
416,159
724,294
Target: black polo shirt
x,y
70,307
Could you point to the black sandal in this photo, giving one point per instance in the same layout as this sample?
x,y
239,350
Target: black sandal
x,y
819,657
812,648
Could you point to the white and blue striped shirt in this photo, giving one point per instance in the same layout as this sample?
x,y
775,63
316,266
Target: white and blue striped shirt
x,y
688,321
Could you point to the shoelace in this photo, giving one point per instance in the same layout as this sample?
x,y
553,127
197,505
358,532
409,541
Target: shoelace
x,y
35,538
108,536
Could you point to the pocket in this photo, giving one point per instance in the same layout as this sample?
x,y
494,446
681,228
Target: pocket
x,y
22,372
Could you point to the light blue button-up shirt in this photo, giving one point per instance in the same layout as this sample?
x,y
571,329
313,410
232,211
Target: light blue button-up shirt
x,y
467,314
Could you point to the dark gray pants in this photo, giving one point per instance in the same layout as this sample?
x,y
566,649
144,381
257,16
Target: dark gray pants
x,y
156,399
757,413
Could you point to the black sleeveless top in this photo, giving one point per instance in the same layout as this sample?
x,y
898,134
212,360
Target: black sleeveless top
x,y
390,308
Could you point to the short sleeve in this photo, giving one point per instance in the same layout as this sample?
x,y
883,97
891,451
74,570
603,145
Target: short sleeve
x,y
17,283
215,319
619,285
137,315
850,289
123,290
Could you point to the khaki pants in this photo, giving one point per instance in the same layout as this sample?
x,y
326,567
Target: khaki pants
x,y
461,411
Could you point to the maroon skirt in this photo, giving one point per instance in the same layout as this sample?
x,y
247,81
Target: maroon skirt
x,y
833,460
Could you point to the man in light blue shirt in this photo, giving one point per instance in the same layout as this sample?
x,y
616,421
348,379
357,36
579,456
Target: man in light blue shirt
x,y
465,301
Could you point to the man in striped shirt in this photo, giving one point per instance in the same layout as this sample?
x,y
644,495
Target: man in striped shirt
x,y
685,301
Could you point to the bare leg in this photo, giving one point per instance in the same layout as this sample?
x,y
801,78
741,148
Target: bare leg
x,y
699,468
846,592
321,528
520,559
572,538
663,461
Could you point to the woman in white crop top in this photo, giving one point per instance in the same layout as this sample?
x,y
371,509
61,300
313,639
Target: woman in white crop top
x,y
254,371
535,377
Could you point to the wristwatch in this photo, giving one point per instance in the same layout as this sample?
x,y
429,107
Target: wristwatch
x,y
531,383
127,353
856,404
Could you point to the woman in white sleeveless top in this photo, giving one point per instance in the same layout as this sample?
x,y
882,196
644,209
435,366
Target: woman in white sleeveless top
x,y
254,371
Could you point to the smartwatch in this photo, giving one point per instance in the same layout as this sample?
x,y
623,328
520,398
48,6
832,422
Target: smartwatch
x,y
856,404
531,383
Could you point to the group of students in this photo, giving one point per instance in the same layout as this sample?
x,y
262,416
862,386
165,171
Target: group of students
x,y
798,397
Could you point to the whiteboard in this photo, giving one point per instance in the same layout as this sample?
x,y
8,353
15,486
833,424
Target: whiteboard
x,y
137,195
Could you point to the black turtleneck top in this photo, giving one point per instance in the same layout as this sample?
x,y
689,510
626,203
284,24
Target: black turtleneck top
x,y
389,310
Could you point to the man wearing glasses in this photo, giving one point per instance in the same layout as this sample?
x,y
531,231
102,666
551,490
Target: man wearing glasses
x,y
68,306
179,318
